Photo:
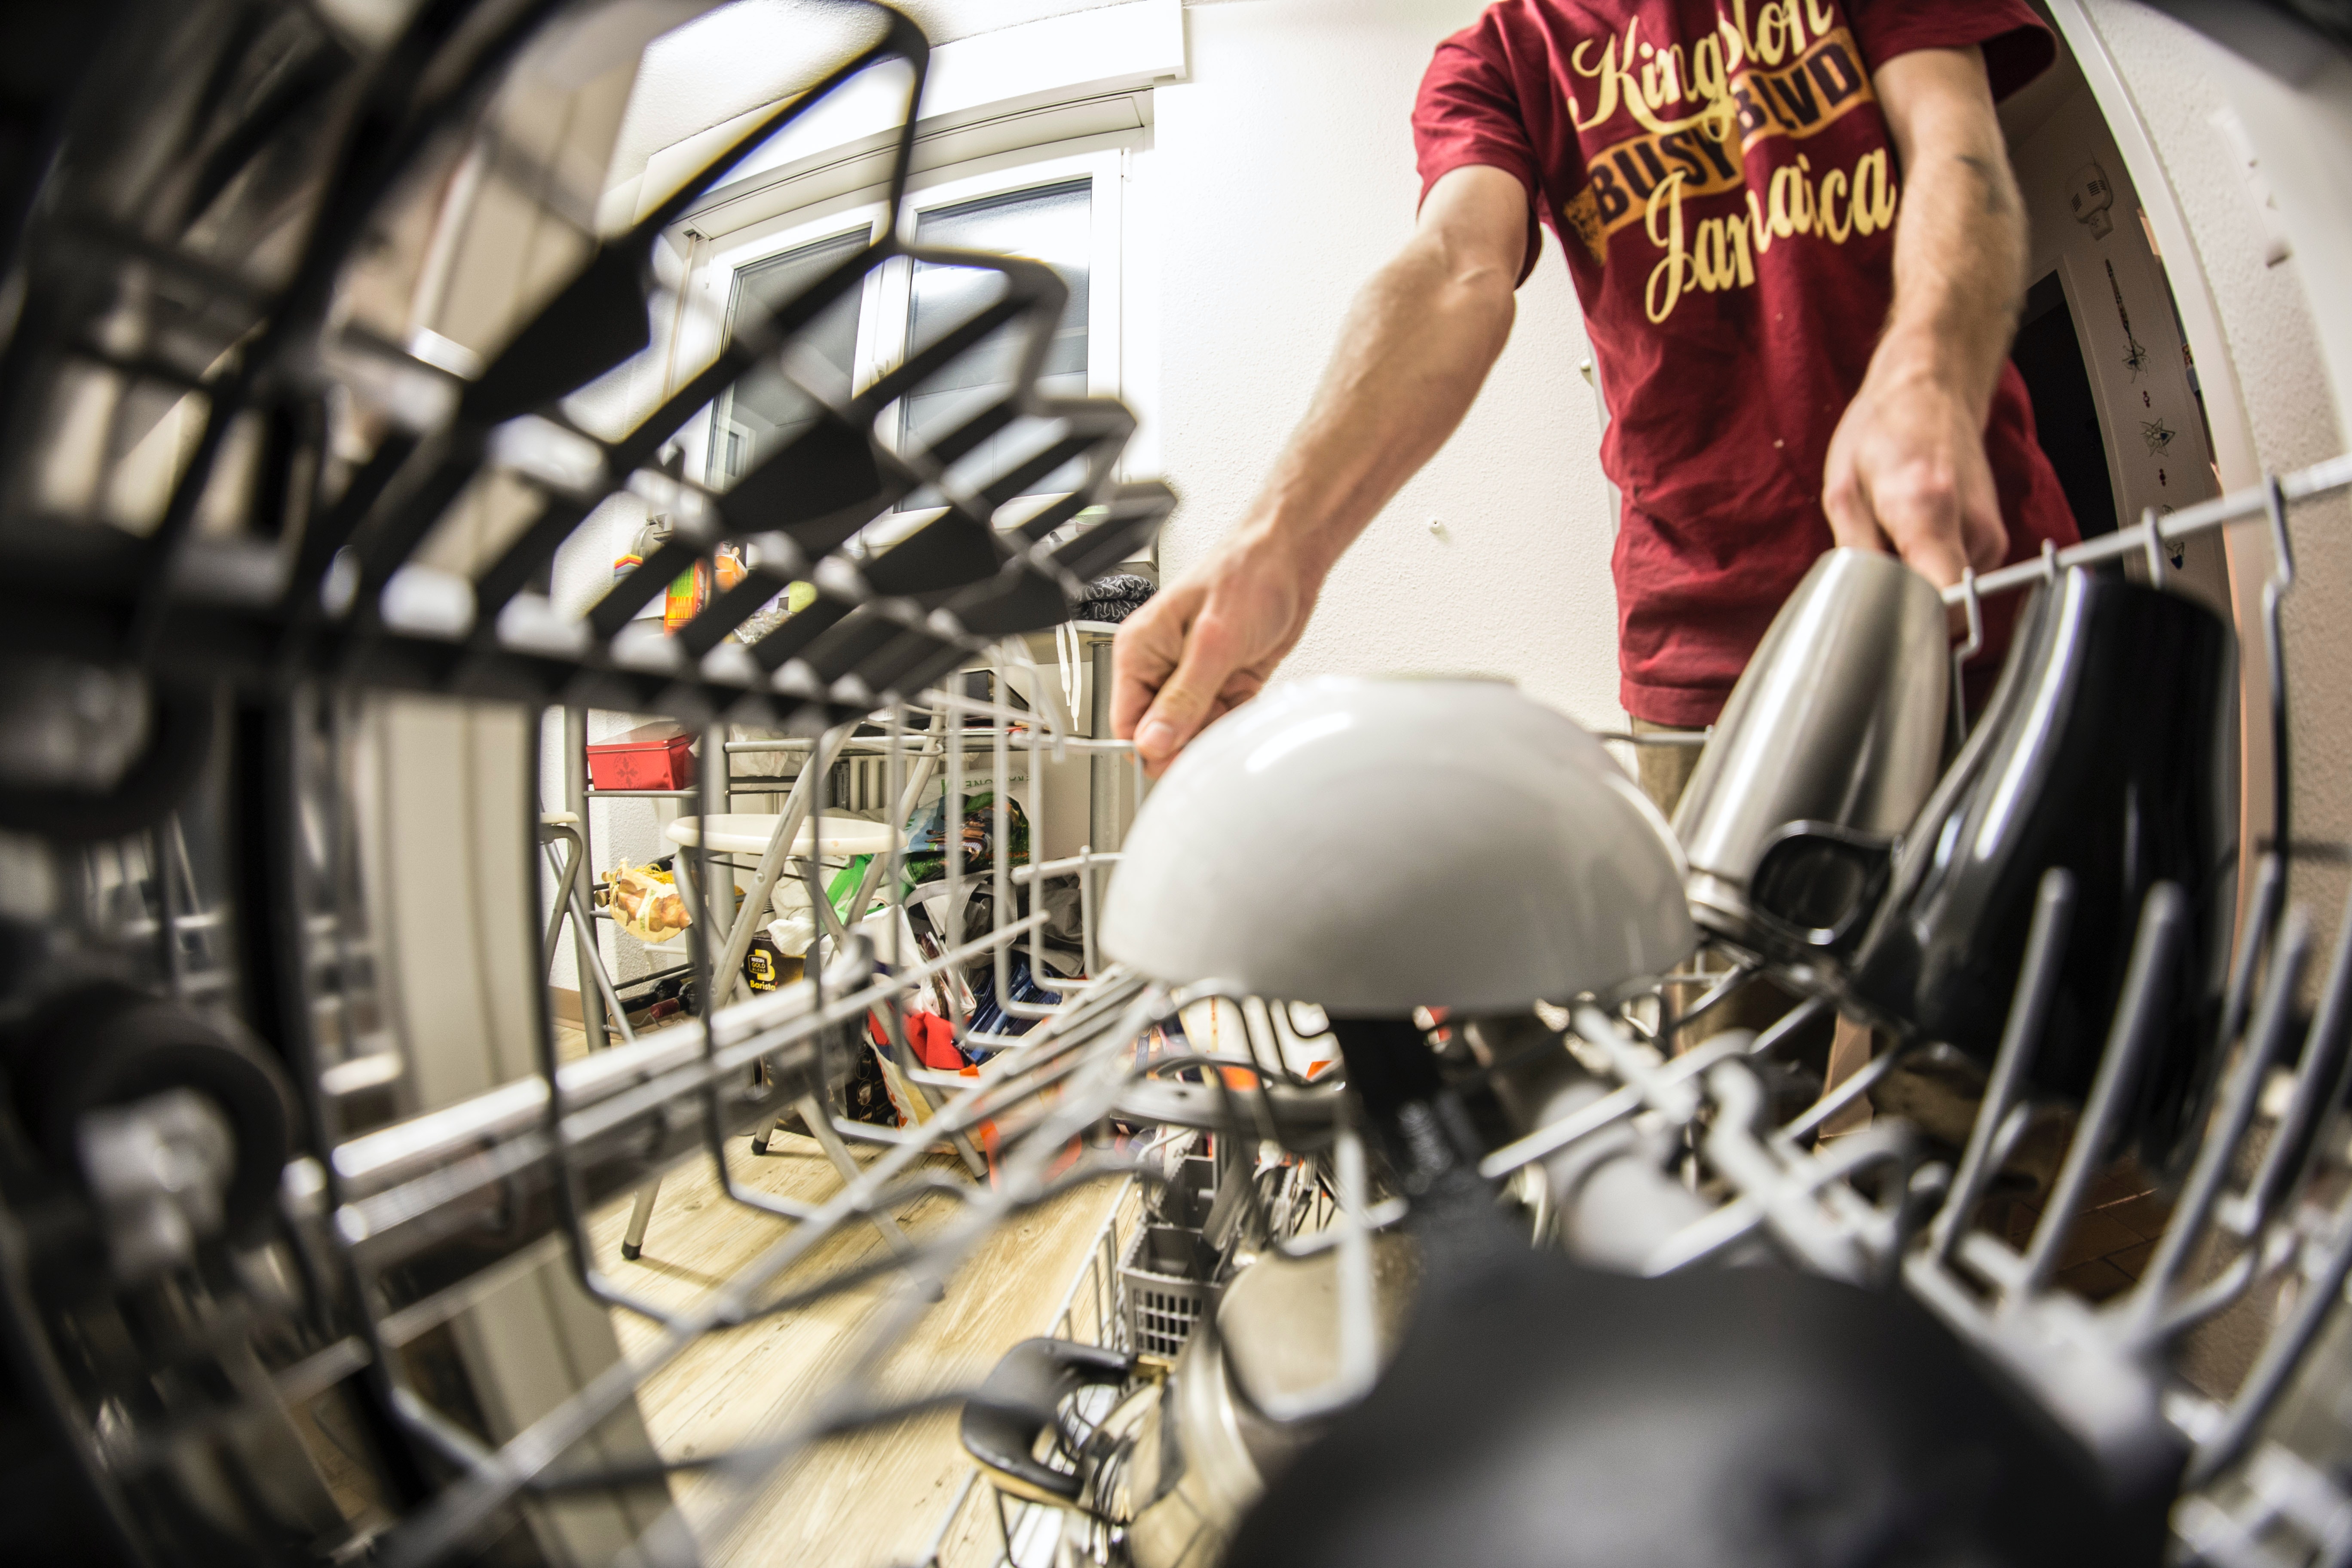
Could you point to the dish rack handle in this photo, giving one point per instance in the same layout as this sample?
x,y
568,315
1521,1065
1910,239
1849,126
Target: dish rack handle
x,y
1022,1400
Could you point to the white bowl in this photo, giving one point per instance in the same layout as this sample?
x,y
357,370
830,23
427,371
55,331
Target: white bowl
x,y
1381,845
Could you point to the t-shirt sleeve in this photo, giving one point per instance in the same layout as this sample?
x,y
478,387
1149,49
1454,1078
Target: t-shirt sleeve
x,y
2018,46
1467,113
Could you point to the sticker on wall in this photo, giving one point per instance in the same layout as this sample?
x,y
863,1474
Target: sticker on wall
x,y
2091,195
2176,548
2135,352
2158,435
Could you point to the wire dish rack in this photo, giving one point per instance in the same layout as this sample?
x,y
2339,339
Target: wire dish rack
x,y
323,1279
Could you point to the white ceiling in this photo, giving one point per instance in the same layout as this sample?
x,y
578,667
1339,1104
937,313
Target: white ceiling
x,y
737,57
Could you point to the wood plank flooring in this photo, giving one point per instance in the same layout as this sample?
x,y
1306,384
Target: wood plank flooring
x,y
875,1497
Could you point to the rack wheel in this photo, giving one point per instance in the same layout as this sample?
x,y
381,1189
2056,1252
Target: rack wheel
x,y
632,1253
759,1145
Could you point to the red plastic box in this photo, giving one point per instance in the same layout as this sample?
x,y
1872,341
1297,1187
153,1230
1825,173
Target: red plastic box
x,y
651,756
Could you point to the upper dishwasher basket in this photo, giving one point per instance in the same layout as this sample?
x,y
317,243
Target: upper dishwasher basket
x,y
312,1245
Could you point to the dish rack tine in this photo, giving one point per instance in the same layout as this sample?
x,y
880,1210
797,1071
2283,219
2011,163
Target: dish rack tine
x,y
2320,1081
1958,698
2282,1355
2270,1029
2029,1006
2163,925
2240,1097
2275,593
2263,911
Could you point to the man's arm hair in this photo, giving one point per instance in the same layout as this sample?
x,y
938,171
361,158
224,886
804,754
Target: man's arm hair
x,y
1907,467
1959,240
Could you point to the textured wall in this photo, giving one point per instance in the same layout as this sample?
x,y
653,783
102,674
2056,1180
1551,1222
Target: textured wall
x,y
1285,175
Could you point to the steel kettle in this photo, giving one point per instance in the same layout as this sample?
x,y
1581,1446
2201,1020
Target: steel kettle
x,y
1838,718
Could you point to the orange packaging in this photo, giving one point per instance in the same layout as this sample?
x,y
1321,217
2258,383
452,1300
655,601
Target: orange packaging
x,y
690,590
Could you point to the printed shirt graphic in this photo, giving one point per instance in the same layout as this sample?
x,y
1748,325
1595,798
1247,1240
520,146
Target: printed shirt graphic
x,y
1724,186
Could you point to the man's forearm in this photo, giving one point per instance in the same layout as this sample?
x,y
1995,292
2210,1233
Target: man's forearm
x,y
1417,342
1907,468
1416,345
1960,249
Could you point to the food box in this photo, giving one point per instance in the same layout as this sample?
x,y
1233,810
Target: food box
x,y
652,756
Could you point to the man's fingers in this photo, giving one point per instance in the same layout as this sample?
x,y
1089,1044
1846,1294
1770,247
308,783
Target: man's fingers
x,y
1920,510
1187,698
1937,557
1143,654
1987,537
1852,524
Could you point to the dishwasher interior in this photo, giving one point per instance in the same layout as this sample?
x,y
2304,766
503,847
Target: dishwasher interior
x,y
1448,1236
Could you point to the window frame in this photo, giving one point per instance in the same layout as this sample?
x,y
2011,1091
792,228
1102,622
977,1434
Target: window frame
x,y
712,284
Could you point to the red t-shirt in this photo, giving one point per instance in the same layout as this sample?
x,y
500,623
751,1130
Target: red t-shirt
x,y
1724,186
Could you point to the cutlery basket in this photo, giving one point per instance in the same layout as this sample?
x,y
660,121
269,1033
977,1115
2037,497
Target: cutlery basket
x,y
1165,1279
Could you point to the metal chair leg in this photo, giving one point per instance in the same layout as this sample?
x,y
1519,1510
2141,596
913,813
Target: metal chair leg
x,y
570,903
760,1144
633,1240
567,877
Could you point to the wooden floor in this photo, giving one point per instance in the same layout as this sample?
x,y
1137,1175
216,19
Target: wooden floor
x,y
2115,1231
875,1497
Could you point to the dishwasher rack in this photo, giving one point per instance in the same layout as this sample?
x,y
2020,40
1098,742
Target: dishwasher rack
x,y
278,607
347,554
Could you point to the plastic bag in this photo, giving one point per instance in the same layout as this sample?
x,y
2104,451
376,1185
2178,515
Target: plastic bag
x,y
926,856
646,904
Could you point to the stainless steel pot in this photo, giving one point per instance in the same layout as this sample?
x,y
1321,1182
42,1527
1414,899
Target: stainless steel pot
x,y
1838,718
1183,1483
1180,1458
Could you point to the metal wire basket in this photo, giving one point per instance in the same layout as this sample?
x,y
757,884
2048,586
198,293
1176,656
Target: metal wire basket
x,y
336,1273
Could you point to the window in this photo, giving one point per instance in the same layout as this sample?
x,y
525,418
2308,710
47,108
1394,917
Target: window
x,y
766,409
1052,225
1064,210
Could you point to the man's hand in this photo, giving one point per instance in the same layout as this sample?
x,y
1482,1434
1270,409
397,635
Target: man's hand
x,y
1208,644
1418,342
1906,468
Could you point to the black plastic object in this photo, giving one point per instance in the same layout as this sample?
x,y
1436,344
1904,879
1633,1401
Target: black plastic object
x,y
949,551
1817,883
108,1046
1022,1401
1543,1414
2106,749
820,488
179,737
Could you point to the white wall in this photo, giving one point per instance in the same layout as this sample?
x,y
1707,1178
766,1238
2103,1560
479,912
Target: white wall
x,y
1285,177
